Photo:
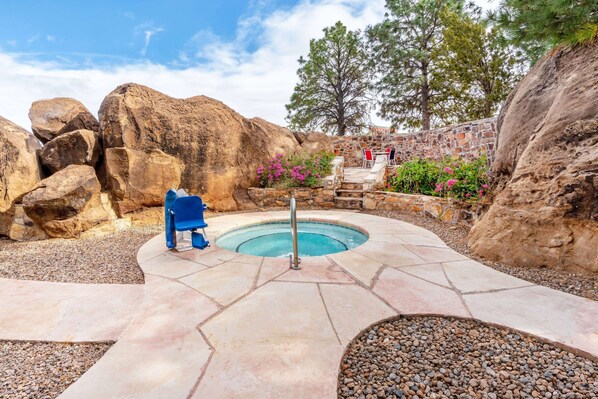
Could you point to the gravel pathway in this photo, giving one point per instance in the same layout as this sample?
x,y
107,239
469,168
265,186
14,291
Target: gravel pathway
x,y
435,357
108,259
42,370
456,237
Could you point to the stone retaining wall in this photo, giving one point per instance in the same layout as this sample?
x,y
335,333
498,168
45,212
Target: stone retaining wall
x,y
445,209
277,197
466,140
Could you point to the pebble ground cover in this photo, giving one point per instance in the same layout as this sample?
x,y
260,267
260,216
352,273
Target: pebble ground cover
x,y
436,357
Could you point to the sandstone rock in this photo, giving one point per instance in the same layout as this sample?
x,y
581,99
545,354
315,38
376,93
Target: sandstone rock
x,y
219,149
313,142
67,203
547,168
140,179
23,228
19,169
51,118
79,147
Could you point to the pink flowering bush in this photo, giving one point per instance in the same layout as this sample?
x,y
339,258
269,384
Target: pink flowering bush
x,y
295,171
451,177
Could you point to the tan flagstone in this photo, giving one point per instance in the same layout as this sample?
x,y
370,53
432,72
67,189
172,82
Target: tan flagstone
x,y
290,370
353,308
412,295
168,265
224,283
39,310
431,272
133,371
277,312
272,268
417,239
154,247
433,254
565,318
207,257
161,353
390,254
317,269
471,276
359,266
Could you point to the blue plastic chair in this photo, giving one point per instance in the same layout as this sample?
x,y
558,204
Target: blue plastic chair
x,y
187,215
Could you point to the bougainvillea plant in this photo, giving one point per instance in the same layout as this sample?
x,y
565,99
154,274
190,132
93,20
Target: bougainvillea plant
x,y
295,170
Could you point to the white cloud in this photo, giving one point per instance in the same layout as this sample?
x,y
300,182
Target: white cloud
x,y
51,38
257,83
148,35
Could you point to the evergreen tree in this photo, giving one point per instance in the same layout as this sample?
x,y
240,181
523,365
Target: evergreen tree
x,y
539,25
333,93
477,68
403,48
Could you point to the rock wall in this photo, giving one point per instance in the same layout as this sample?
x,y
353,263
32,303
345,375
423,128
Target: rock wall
x,y
546,214
466,140
280,197
445,209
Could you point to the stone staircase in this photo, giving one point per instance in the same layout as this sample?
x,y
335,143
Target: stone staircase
x,y
349,195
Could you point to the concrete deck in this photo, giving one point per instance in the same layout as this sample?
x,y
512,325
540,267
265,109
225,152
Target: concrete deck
x,y
218,324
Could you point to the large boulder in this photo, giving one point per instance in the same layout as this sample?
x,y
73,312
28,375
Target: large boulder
x,y
19,169
51,118
546,168
218,148
79,147
313,142
140,179
67,203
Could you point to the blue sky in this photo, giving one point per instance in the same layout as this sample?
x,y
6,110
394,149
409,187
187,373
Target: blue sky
x,y
109,32
243,53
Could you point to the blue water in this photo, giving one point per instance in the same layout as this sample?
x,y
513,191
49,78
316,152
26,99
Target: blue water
x,y
274,239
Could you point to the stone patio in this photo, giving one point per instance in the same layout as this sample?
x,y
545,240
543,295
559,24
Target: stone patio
x,y
218,324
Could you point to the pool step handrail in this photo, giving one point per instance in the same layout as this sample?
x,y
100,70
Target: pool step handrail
x,y
294,257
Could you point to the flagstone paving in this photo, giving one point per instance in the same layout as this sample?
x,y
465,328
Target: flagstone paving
x,y
218,324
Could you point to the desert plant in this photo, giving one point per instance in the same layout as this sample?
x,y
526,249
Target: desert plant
x,y
295,170
452,177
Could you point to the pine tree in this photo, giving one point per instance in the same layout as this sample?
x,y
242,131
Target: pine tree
x,y
402,47
477,68
333,93
539,25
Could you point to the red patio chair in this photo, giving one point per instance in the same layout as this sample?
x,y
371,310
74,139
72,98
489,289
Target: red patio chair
x,y
368,157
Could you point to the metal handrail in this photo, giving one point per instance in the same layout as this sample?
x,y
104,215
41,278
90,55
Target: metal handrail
x,y
294,257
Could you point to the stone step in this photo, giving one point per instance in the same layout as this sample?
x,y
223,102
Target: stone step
x,y
350,193
345,190
348,199
351,185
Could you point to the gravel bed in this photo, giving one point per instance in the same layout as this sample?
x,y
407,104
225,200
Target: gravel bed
x,y
42,370
435,357
107,259
455,236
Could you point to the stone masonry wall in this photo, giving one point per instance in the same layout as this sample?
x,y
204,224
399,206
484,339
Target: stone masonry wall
x,y
445,209
280,197
466,140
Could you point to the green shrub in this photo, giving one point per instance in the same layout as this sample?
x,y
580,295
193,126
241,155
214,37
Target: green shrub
x,y
295,170
451,177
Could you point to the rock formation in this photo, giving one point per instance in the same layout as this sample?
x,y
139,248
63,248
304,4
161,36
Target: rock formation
x,y
67,203
315,142
51,118
140,179
219,149
79,147
546,168
19,169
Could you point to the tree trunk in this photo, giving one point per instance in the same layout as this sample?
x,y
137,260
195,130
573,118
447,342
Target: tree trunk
x,y
425,99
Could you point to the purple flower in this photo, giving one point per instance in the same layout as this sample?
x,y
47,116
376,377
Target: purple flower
x,y
439,187
451,182
467,195
485,185
449,170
